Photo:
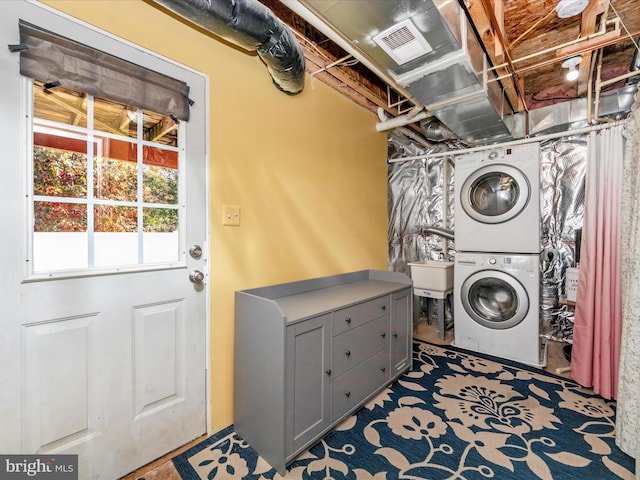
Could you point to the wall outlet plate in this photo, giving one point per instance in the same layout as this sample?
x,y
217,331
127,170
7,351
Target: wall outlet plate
x,y
231,215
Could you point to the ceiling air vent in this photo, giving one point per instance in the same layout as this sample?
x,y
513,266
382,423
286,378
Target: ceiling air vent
x,y
403,42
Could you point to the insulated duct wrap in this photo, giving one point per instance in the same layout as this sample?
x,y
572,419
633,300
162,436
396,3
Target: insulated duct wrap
x,y
562,182
416,202
418,198
252,26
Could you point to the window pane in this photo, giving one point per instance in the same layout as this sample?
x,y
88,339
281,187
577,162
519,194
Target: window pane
x,y
59,217
59,238
111,218
59,173
116,237
160,128
115,249
115,172
59,251
160,176
160,238
59,104
115,117
160,219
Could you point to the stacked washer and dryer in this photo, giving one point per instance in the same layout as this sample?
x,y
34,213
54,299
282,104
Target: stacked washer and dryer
x,y
497,262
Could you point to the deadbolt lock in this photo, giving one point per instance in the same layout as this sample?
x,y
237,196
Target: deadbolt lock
x,y
195,251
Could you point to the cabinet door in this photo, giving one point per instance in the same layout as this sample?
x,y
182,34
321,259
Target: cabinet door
x,y
401,321
308,381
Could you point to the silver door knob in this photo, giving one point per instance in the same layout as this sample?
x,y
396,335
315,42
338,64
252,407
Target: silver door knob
x,y
196,276
195,251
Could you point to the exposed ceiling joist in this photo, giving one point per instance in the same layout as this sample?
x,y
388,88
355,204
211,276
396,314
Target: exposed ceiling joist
x,y
526,40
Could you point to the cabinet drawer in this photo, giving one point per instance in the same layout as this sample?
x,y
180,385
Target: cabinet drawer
x,y
354,386
351,317
358,344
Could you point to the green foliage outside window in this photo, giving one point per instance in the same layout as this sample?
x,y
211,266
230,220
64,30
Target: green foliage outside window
x,y
59,173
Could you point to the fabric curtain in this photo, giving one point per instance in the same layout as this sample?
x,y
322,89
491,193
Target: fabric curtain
x,y
598,320
628,415
56,60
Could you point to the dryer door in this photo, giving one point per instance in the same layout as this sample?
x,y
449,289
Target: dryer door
x,y
495,193
494,299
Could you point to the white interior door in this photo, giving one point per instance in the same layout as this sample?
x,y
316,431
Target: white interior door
x,y
107,361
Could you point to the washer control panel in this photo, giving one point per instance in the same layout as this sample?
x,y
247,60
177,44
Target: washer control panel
x,y
515,263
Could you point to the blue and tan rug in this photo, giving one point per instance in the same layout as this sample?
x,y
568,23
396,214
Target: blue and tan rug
x,y
456,415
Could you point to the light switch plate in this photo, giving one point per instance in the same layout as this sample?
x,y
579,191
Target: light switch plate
x,y
231,215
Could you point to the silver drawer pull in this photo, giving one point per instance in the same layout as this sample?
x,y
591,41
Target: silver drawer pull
x,y
328,372
348,320
347,394
348,353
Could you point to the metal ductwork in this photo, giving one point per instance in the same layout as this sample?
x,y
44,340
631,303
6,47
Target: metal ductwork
x,y
559,117
429,49
434,131
252,26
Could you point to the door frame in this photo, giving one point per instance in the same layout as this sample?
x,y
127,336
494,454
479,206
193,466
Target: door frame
x,y
206,149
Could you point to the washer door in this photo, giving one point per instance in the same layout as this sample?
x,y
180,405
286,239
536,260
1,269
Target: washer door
x,y
494,299
495,193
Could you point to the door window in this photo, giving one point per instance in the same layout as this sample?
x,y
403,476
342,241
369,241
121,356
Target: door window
x,y
105,185
494,299
495,194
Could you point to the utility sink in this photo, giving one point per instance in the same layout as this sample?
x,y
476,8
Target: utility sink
x,y
432,275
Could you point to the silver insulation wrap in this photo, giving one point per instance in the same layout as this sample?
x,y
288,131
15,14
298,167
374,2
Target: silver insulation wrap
x,y
563,167
252,26
418,198
421,195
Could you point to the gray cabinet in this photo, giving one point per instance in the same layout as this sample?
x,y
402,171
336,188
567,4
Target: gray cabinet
x,y
309,373
309,353
401,331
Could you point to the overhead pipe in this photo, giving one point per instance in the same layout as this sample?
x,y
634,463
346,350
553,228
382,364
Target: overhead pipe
x,y
402,120
405,131
433,130
521,141
252,26
414,136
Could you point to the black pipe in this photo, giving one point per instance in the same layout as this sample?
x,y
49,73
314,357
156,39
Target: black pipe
x,y
252,26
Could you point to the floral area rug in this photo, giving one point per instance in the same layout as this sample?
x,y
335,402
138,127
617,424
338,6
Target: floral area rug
x,y
456,415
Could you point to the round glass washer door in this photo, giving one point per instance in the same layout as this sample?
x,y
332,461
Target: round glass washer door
x,y
495,193
494,299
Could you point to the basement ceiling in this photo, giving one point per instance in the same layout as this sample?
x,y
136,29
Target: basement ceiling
x,y
524,44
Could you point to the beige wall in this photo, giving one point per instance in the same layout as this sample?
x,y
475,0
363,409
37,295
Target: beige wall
x,y
307,171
